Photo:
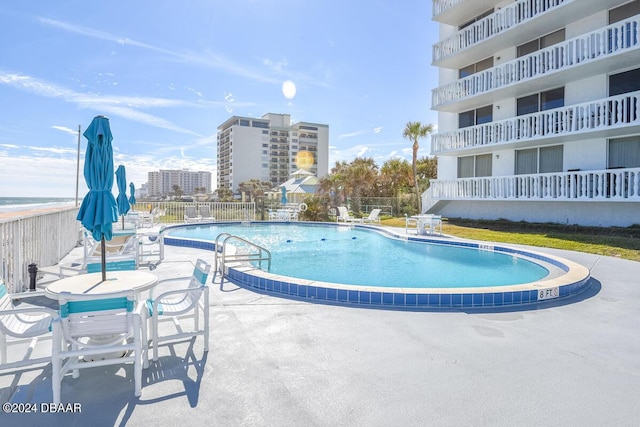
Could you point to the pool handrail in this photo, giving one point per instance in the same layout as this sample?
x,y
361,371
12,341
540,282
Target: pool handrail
x,y
222,256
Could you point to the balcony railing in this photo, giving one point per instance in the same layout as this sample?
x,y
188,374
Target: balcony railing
x,y
440,6
608,113
496,23
597,45
598,185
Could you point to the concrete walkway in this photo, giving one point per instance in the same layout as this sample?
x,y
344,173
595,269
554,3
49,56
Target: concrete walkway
x,y
280,362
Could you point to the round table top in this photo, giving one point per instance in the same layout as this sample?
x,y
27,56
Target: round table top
x,y
92,284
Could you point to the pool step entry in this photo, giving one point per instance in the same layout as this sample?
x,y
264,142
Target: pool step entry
x,y
234,250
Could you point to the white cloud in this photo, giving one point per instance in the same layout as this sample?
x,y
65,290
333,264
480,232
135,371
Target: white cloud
x,y
122,106
65,130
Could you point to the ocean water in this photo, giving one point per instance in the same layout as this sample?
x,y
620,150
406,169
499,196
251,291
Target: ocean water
x,y
12,204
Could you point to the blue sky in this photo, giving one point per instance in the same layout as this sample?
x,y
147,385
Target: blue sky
x,y
167,73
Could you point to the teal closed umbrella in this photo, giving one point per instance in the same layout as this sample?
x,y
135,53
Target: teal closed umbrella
x,y
99,211
132,190
122,201
283,199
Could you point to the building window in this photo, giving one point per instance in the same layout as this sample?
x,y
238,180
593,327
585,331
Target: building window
x,y
244,122
260,125
485,64
624,153
553,98
475,117
474,166
476,19
625,11
539,160
626,82
541,43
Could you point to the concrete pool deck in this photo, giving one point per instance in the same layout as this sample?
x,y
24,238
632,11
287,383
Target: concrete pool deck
x,y
280,362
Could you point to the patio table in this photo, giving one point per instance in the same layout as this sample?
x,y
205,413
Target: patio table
x,y
92,284
428,222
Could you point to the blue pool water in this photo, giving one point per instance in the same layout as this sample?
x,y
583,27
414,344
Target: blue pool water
x,y
360,256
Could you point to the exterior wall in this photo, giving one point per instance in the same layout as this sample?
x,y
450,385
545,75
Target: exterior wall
x,y
161,182
598,214
585,80
267,149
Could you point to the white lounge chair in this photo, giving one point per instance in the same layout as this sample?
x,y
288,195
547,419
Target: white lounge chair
x,y
89,330
177,304
191,214
121,254
22,324
373,217
343,215
205,214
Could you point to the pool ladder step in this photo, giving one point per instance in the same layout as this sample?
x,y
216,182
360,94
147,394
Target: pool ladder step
x,y
233,250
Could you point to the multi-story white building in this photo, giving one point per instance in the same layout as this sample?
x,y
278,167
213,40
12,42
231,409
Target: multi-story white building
x,y
538,111
161,182
269,149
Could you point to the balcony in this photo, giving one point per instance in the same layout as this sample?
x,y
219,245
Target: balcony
x,y
607,117
506,27
607,49
453,12
598,185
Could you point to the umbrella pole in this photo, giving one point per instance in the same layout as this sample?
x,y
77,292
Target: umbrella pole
x,y
103,257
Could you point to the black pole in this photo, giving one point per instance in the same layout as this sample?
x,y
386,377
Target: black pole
x,y
103,256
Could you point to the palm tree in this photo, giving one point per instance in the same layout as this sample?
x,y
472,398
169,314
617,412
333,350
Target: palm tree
x,y
414,131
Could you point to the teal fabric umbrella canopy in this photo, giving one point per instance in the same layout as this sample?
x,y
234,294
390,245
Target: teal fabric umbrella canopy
x,y
98,211
283,199
132,190
121,200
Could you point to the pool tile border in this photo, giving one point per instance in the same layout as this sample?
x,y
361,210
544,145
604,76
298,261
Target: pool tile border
x,y
574,281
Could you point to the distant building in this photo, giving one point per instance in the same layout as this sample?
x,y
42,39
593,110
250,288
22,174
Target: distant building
x,y
161,182
270,149
538,111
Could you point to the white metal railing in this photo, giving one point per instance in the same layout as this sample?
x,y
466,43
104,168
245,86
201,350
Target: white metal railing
x,y
239,250
439,6
496,23
612,112
38,238
173,212
596,45
604,185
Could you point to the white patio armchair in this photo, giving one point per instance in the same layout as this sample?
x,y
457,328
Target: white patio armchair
x,y
374,217
205,214
179,304
26,326
191,214
343,215
90,330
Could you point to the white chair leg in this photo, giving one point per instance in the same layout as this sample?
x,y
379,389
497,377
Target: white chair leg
x,y
56,365
3,348
137,364
144,318
154,323
206,319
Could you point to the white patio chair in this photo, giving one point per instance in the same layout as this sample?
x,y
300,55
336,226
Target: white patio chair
x,y
177,304
205,214
151,249
22,324
90,330
343,215
191,214
373,217
121,254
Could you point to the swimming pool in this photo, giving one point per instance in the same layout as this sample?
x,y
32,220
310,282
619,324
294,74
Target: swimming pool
x,y
372,266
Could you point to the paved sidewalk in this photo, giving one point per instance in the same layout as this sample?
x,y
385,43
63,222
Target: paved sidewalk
x,y
280,362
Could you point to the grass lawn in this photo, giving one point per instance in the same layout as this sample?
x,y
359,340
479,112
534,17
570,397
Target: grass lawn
x,y
611,241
